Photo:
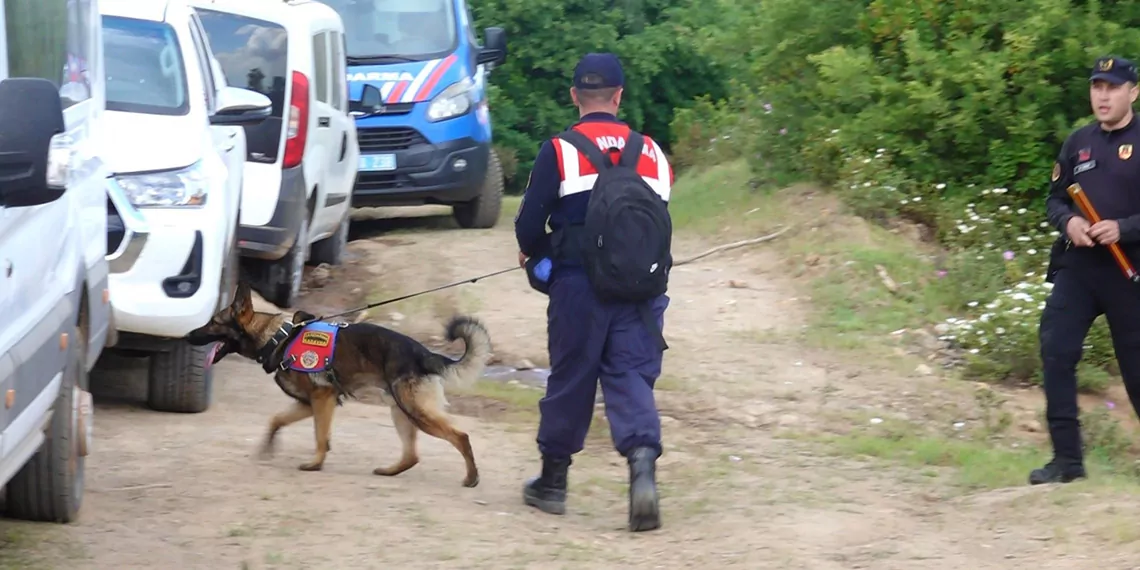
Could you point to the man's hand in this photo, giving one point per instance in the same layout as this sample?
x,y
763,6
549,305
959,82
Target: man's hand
x,y
522,259
1078,231
1105,232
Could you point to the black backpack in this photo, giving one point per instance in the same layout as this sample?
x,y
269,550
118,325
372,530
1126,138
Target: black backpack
x,y
625,242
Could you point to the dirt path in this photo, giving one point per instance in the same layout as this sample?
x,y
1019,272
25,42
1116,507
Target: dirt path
x,y
185,491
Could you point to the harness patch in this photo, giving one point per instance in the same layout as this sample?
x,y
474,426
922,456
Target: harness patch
x,y
312,350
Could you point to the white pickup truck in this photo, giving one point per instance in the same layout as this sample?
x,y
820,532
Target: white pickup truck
x,y
178,155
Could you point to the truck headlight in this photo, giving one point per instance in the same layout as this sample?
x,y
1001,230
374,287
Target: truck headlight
x,y
172,189
452,102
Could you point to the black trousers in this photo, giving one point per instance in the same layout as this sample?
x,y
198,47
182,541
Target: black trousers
x,y
1080,294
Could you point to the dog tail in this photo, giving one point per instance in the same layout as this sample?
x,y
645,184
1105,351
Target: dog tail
x,y
465,371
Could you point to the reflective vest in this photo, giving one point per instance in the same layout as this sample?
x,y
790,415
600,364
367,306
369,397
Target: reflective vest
x,y
577,174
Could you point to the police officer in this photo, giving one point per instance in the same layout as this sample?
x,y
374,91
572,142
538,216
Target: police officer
x,y
1087,283
589,340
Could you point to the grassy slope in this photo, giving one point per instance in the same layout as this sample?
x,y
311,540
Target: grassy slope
x,y
838,255
841,260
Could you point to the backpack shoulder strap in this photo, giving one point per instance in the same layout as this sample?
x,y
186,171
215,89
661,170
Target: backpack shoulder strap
x,y
631,154
586,147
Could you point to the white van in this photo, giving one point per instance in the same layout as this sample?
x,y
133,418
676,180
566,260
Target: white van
x,y
301,163
53,275
178,152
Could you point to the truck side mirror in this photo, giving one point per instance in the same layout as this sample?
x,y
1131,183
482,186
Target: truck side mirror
x,y
32,115
494,48
371,102
240,107
370,98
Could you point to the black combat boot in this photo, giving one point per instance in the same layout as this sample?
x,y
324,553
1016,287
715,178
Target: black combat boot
x,y
644,512
1058,471
547,492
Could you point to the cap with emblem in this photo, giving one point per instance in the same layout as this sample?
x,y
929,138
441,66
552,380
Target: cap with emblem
x,y
598,71
1115,70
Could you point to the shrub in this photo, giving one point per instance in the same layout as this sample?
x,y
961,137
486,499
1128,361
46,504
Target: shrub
x,y
706,134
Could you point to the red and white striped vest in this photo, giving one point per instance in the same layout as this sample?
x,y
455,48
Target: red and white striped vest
x,y
578,175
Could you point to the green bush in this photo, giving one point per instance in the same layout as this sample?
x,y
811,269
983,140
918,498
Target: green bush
x,y
659,43
709,133
945,113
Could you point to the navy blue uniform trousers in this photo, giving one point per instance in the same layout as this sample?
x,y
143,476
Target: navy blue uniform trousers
x,y
591,341
1080,294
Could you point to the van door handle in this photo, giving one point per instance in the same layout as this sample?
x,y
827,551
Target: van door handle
x,y
343,146
323,122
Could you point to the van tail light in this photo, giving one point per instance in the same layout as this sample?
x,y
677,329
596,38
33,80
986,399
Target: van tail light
x,y
298,121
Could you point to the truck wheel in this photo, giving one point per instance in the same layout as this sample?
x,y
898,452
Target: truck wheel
x,y
285,274
483,212
181,380
331,249
49,488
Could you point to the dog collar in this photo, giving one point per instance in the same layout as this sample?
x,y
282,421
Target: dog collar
x,y
265,355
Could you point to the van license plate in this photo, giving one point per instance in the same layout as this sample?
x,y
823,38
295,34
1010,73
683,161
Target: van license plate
x,y
377,162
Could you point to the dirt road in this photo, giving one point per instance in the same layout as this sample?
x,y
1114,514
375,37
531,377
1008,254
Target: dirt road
x,y
185,491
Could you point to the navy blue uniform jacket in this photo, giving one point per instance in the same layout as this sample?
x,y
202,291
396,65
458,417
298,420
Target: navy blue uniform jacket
x,y
541,202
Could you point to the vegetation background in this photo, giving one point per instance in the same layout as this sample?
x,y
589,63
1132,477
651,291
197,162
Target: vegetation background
x,y
946,114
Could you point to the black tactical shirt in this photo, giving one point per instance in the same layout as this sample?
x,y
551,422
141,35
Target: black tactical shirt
x,y
1107,166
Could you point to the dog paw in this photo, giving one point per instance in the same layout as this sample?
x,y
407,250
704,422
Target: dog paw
x,y
266,451
471,481
314,466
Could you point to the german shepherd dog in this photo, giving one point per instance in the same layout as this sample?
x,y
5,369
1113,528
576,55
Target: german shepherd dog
x,y
366,358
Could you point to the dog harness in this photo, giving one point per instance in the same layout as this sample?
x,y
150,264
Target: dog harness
x,y
311,350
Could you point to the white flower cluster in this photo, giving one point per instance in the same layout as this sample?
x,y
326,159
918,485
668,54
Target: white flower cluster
x,y
871,175
1004,229
1009,321
988,228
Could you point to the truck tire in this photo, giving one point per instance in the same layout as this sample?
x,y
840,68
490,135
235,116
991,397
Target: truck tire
x,y
180,380
49,488
331,249
285,275
483,211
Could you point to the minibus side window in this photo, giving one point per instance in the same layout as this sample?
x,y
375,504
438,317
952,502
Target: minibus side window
x,y
50,39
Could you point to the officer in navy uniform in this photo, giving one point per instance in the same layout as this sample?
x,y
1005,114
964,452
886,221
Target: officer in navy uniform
x,y
589,340
1087,283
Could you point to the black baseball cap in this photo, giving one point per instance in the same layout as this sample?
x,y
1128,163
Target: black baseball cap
x,y
1115,70
598,71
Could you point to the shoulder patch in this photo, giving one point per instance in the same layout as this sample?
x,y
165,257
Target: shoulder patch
x,y
1056,171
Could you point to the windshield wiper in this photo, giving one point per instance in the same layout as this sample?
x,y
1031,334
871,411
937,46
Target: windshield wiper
x,y
360,59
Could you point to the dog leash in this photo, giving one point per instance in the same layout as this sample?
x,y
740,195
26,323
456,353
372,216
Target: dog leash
x,y
408,296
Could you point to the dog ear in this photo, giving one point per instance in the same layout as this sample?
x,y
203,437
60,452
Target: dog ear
x,y
300,316
243,304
